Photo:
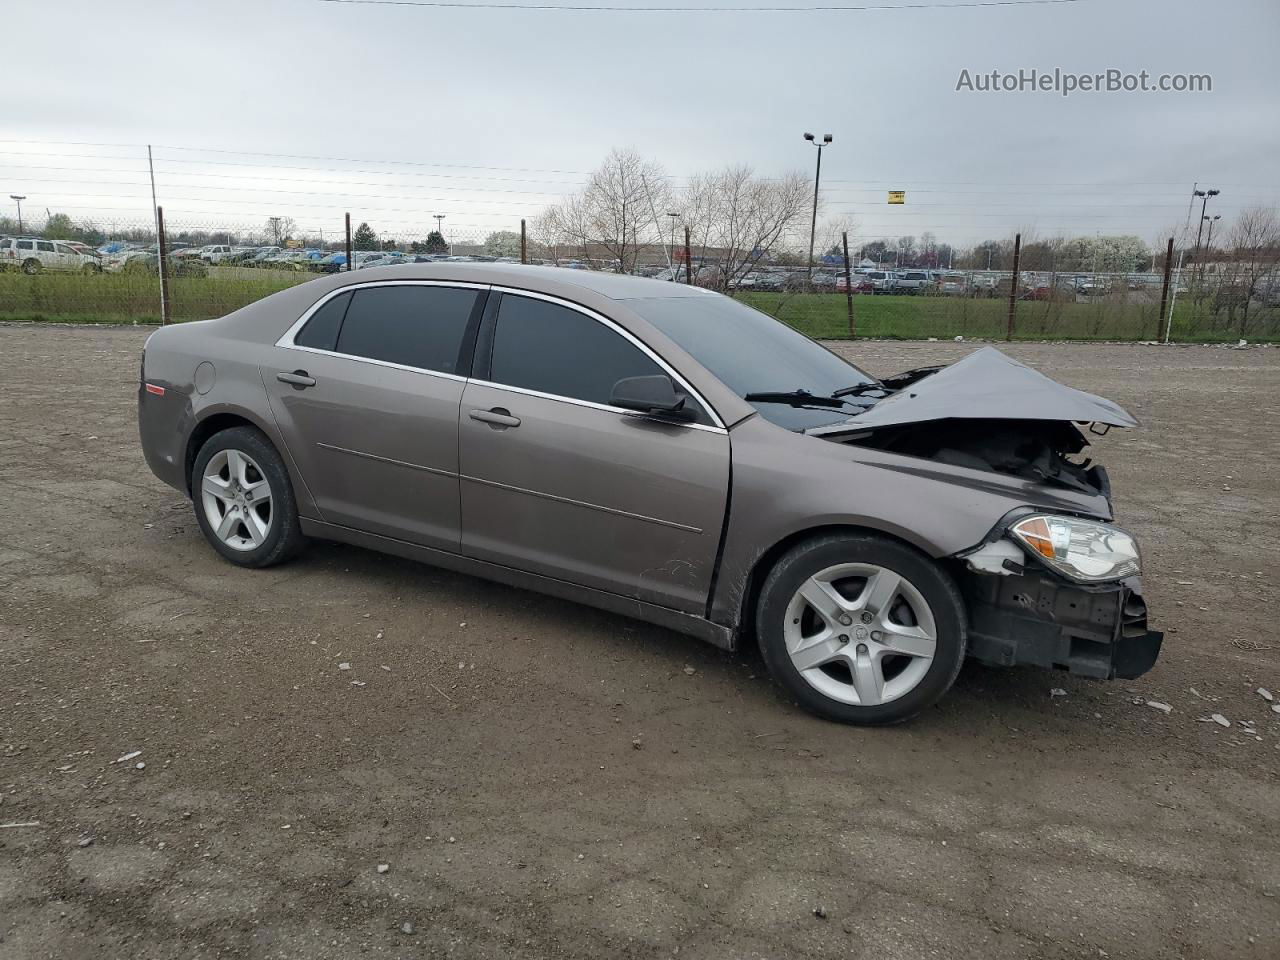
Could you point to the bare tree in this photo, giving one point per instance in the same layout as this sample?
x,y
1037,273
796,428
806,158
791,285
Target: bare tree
x,y
1254,242
280,229
738,218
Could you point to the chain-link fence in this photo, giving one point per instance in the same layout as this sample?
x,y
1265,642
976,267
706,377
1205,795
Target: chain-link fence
x,y
212,269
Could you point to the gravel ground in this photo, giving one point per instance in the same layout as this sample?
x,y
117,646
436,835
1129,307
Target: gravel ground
x,y
543,780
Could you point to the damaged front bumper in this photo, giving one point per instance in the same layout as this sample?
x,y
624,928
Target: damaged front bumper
x,y
1034,617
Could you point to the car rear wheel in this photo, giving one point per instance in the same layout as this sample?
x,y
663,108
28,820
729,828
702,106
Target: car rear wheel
x,y
31,266
861,629
243,500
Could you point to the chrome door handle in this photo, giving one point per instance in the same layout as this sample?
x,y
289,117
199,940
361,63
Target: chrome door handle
x,y
299,378
497,417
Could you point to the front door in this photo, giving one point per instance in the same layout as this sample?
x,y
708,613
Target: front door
x,y
366,394
556,481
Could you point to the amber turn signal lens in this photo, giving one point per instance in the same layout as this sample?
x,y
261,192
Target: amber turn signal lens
x,y
1035,534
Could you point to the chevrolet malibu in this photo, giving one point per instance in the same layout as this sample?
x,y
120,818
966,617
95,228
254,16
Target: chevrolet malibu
x,y
669,454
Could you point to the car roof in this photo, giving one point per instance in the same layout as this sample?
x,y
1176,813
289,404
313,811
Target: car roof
x,y
549,280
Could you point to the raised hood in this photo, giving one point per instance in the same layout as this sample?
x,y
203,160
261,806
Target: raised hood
x,y
985,385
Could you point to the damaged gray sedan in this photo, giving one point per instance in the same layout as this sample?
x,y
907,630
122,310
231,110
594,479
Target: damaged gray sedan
x,y
669,454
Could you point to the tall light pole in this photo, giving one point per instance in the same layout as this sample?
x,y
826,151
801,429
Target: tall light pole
x,y
439,218
18,200
671,255
817,176
1208,243
1204,196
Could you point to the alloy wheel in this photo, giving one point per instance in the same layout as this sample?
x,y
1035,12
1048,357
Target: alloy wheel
x,y
860,634
236,498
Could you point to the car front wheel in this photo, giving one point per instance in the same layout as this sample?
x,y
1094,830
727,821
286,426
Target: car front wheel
x,y
243,500
861,629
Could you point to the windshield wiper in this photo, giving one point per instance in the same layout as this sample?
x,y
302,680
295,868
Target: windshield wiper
x,y
861,389
796,398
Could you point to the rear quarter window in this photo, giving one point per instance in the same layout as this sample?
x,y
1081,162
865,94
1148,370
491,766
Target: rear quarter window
x,y
321,331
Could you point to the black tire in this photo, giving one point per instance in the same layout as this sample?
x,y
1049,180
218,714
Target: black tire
x,y
31,267
284,536
820,553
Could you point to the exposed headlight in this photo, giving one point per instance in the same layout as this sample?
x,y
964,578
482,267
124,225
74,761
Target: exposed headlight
x,y
1079,549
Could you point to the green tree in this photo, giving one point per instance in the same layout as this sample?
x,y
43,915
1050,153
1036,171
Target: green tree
x,y
364,238
436,243
59,227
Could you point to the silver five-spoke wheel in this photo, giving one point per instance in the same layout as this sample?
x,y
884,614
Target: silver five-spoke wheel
x,y
860,634
236,498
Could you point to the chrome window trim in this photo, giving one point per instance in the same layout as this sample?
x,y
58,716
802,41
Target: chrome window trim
x,y
287,339
622,411
718,423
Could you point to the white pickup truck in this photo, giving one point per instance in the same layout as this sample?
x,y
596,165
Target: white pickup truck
x,y
33,254
215,252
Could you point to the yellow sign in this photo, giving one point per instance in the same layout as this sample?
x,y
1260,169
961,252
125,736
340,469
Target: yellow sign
x,y
897,196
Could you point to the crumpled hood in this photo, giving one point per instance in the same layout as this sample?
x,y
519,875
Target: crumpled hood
x,y
986,385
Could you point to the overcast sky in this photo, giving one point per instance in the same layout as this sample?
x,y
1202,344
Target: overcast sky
x,y
538,97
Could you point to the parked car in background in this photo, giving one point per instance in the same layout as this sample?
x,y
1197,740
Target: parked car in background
x,y
953,284
35,255
148,261
861,284
263,254
912,281
215,252
882,281
573,432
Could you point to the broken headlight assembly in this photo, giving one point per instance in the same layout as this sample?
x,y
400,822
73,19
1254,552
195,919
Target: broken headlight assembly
x,y
1081,550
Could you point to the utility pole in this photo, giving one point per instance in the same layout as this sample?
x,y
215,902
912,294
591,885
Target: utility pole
x,y
163,262
1164,290
671,250
348,224
817,177
1013,287
524,243
848,279
688,258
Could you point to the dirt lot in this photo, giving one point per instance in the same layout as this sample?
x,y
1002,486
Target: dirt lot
x,y
482,743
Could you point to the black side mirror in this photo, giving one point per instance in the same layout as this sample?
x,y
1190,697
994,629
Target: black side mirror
x,y
654,395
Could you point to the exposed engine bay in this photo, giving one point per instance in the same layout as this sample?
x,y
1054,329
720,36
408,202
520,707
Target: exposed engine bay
x,y
1035,450
985,412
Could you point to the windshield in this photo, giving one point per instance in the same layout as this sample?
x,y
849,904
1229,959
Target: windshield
x,y
750,352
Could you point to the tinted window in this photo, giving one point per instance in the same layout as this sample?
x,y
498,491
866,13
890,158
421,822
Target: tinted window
x,y
25,245
552,349
417,326
44,245
321,331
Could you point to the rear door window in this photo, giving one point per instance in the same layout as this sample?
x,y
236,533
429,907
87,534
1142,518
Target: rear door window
x,y
44,246
412,324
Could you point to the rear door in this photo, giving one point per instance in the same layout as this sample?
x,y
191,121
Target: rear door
x,y
556,481
365,389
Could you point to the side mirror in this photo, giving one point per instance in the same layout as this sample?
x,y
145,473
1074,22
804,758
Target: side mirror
x,y
655,395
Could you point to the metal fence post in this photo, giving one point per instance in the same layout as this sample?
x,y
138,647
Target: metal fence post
x,y
348,219
688,259
1013,287
163,259
1164,290
848,279
524,243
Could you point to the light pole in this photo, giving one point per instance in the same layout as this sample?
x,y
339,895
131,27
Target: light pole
x,y
1204,196
671,256
817,176
1208,243
439,218
18,200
